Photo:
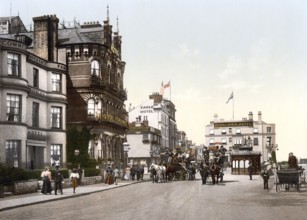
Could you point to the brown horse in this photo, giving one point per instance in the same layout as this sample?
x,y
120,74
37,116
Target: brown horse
x,y
215,172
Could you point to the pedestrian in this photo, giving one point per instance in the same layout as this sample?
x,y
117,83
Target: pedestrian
x,y
204,172
138,173
127,173
292,161
46,176
265,175
142,172
133,172
116,174
250,170
58,178
109,178
74,176
80,172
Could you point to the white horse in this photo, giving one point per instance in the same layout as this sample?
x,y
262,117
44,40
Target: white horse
x,y
160,169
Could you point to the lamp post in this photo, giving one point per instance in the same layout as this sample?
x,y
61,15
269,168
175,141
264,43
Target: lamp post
x,y
77,153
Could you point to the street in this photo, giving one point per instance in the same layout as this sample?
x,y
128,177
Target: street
x,y
236,198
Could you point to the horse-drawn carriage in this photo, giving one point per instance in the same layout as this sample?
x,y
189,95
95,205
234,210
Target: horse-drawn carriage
x,y
212,166
287,178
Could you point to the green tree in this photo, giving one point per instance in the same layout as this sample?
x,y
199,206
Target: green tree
x,y
78,140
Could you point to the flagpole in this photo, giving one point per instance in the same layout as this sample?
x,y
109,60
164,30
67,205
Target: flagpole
x,y
233,108
170,91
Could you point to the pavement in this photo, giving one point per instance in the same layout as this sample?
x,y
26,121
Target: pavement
x,y
17,201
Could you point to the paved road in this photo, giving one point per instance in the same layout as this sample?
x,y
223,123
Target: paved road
x,y
236,198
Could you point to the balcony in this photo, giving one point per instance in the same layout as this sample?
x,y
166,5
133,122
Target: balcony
x,y
108,118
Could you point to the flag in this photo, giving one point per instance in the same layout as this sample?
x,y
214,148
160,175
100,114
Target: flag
x,y
167,84
230,97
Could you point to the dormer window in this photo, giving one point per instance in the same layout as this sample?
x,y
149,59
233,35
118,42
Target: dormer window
x,y
95,70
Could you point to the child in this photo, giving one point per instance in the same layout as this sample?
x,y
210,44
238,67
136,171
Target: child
x,y
265,175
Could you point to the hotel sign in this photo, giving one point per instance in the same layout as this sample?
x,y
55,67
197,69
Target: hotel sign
x,y
234,124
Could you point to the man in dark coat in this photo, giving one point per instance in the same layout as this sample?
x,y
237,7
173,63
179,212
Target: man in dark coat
x,y
58,178
292,161
133,172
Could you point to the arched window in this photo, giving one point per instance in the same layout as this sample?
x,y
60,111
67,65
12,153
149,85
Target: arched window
x,y
91,107
95,70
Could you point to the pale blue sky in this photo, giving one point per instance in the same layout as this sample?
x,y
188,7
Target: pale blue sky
x,y
207,49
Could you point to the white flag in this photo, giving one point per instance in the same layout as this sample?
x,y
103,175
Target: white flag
x,y
230,97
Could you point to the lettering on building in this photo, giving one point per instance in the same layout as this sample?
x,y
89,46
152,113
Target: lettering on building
x,y
234,124
14,44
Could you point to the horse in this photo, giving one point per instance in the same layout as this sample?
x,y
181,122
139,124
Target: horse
x,y
215,172
160,172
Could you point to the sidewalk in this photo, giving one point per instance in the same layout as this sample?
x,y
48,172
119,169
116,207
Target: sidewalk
x,y
12,202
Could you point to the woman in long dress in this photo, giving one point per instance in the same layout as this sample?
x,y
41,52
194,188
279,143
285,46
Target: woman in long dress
x,y
74,176
127,173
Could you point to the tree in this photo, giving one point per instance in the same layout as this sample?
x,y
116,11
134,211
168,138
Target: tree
x,y
78,140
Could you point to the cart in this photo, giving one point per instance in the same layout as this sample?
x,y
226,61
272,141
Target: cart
x,y
286,179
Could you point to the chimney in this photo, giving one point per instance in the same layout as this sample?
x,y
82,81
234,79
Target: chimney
x,y
250,116
259,116
216,118
46,37
156,97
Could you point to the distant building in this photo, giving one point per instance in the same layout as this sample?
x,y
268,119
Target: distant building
x,y
233,135
144,144
160,114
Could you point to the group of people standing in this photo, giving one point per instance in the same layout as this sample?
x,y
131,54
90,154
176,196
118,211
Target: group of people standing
x,y
134,172
75,179
131,173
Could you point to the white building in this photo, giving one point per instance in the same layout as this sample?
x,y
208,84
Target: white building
x,y
156,113
144,142
233,134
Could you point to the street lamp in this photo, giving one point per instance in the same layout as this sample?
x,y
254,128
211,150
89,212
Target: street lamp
x,y
77,152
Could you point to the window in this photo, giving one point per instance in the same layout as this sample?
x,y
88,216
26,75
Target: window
x,y
13,64
256,142
56,82
13,153
211,132
56,117
255,130
35,114
145,137
224,141
268,129
211,141
230,140
95,68
268,141
55,154
91,107
35,78
223,131
230,130
238,131
13,108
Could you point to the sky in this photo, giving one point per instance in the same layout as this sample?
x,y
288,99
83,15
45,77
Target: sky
x,y
207,49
